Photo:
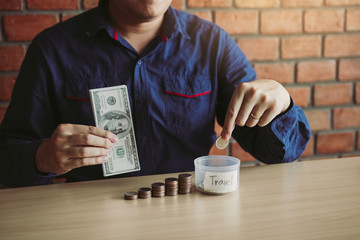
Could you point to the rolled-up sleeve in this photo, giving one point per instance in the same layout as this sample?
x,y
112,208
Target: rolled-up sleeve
x,y
282,140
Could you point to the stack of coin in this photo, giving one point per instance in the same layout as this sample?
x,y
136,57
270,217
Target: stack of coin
x,y
185,183
172,186
130,195
158,189
144,192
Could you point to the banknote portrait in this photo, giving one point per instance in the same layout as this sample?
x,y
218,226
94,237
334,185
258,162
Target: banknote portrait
x,y
116,122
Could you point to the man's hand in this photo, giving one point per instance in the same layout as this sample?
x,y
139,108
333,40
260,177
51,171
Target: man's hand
x,y
72,146
255,103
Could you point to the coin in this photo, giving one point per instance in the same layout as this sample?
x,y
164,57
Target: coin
x,y
185,183
171,181
184,191
158,186
185,177
131,195
221,143
144,192
171,186
158,189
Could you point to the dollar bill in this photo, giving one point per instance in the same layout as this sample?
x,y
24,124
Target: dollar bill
x,y
111,108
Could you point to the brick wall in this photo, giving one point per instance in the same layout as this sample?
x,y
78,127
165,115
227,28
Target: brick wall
x,y
310,46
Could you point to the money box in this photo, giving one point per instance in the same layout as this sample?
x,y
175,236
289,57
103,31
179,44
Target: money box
x,y
217,174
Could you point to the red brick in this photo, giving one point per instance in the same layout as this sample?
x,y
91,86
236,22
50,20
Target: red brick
x,y
309,150
301,47
204,15
335,142
6,87
178,4
215,151
301,3
10,5
208,3
217,128
260,48
281,22
319,120
11,57
87,4
256,3
237,22
66,16
346,117
324,21
353,20
239,153
52,4
2,112
332,94
26,27
357,93
300,95
342,45
349,69
316,71
281,72
342,2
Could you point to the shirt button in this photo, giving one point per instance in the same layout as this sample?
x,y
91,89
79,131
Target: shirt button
x,y
139,62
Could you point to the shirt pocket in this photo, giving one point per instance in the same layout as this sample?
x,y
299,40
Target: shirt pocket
x,y
77,98
187,102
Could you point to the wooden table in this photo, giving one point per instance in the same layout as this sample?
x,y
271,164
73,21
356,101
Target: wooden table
x,y
317,199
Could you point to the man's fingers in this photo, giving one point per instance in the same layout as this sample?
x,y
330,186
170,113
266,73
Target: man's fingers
x,y
86,152
81,162
89,140
267,117
244,113
101,133
83,129
231,114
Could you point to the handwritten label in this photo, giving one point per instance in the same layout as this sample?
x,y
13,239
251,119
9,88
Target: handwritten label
x,y
220,182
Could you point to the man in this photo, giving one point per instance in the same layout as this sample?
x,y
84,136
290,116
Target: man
x,y
180,71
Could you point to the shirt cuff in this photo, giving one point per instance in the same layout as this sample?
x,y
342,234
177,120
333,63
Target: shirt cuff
x,y
293,130
31,175
284,122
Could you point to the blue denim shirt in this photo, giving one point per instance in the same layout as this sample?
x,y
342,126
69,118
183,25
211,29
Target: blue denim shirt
x,y
177,86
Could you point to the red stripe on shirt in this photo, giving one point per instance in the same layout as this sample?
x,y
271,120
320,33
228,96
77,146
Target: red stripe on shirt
x,y
164,38
188,96
115,35
79,99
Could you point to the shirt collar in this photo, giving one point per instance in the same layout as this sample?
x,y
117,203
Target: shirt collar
x,y
171,26
99,20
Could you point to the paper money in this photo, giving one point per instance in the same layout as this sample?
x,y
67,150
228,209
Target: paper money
x,y
111,108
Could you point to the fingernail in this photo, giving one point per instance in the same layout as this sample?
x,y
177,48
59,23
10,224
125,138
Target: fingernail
x,y
225,136
115,138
